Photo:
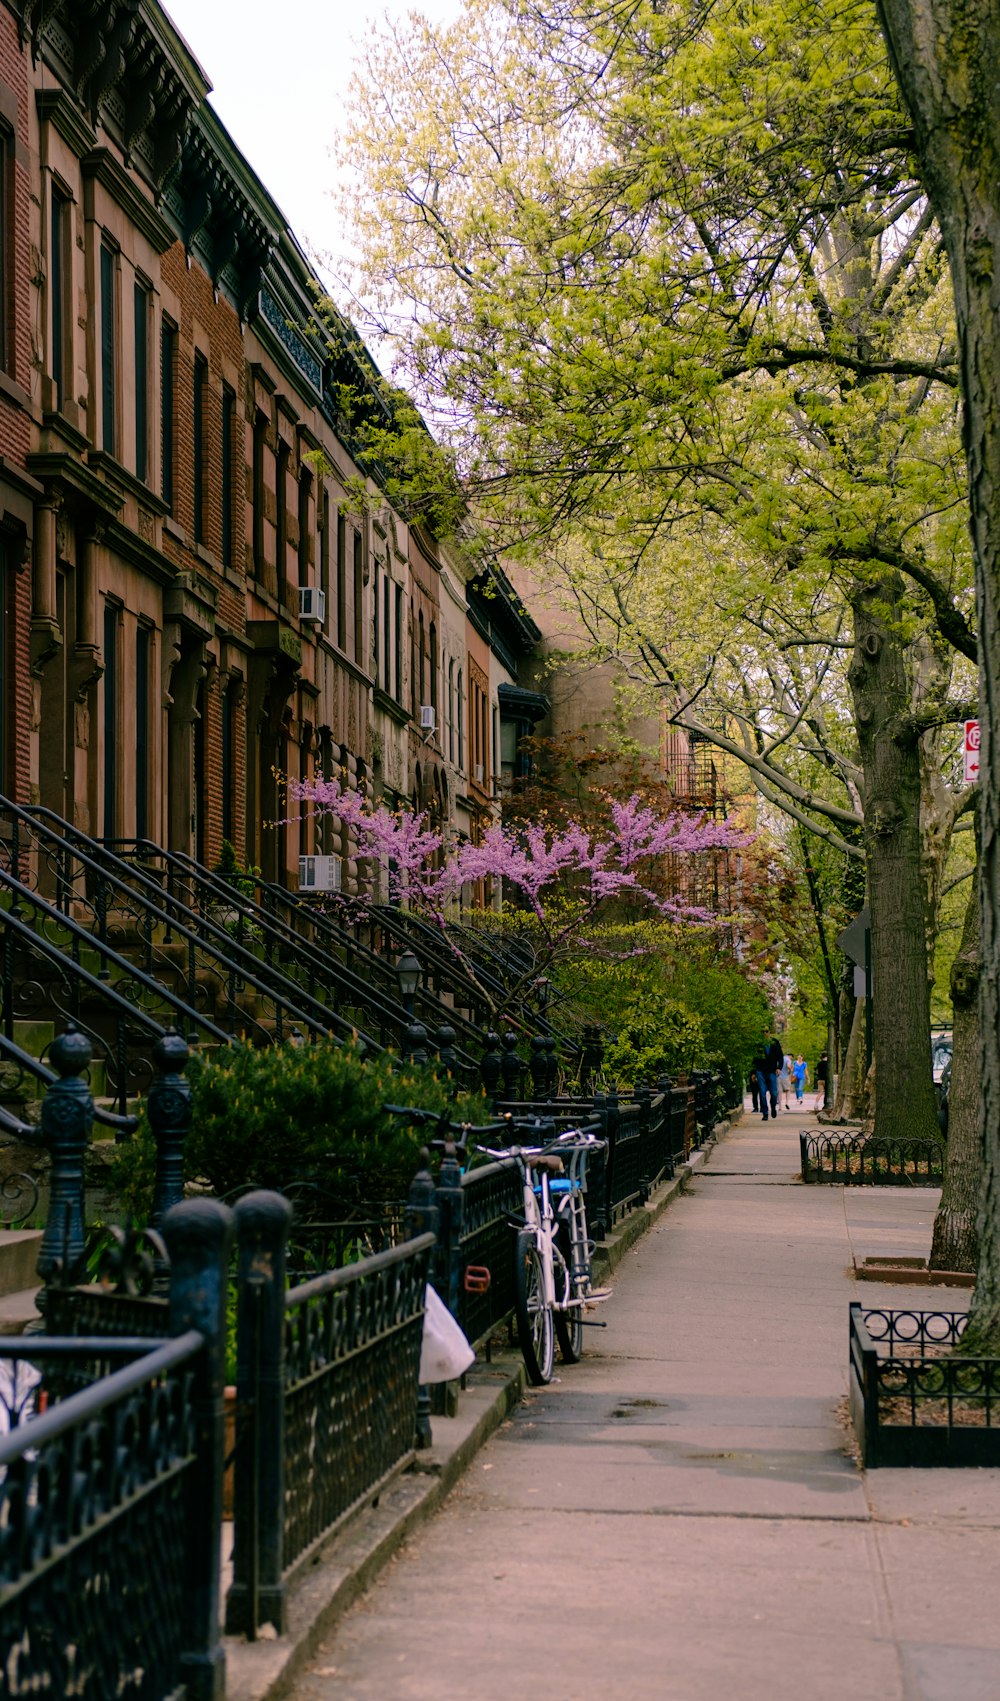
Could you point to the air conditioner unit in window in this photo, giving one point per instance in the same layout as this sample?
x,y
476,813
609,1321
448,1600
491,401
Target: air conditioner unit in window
x,y
480,773
427,717
319,874
312,604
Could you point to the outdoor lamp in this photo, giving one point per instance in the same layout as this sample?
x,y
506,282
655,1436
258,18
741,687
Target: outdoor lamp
x,y
543,988
408,973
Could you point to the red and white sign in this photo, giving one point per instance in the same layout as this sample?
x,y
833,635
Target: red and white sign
x,y
970,753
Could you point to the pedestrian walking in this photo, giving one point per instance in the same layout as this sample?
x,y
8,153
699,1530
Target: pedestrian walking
x,y
754,1086
800,1076
767,1066
785,1082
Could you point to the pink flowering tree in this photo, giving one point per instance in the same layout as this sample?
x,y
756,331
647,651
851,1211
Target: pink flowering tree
x,y
565,879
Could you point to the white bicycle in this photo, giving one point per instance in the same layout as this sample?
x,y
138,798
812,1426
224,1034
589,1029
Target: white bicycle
x,y
553,1250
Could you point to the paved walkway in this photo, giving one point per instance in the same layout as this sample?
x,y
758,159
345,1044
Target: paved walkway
x,y
678,1516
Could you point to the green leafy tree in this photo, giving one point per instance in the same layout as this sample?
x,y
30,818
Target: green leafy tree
x,y
672,287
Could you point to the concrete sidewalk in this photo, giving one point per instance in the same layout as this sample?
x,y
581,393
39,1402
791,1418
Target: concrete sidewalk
x,y
678,1516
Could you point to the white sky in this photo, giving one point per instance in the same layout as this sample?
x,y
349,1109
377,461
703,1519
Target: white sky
x,y
279,76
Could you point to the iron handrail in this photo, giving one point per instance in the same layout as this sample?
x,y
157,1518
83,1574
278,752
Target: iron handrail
x,y
34,1065
59,1419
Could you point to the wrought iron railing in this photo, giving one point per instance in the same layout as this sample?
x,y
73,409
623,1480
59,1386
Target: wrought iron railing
x,y
485,1250
326,1396
111,1497
916,1398
860,1160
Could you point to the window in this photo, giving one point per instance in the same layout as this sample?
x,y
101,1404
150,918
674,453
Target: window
x,y
6,340
281,521
451,711
375,626
229,709
111,617
387,634
359,600
142,642
341,580
257,498
399,644
5,669
228,432
421,660
305,499
434,670
141,313
109,351
200,444
168,350
58,277
461,723
324,550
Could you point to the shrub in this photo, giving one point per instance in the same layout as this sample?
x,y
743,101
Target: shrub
x,y
298,1113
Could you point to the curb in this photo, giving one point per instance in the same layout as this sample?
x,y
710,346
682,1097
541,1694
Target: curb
x,y
320,1595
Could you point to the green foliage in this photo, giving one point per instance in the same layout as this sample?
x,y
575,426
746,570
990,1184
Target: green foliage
x,y
293,1113
243,880
670,1000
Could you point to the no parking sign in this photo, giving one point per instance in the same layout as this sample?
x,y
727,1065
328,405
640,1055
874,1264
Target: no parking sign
x,y
970,753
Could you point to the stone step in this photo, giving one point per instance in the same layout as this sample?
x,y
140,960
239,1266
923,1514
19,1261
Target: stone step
x,y
18,1257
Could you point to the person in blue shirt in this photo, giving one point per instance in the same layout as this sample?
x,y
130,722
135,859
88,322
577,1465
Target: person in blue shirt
x,y
800,1075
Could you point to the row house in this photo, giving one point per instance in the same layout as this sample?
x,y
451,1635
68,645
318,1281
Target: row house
x,y
205,588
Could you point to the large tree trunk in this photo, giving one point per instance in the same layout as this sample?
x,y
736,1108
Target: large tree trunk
x,y
956,1240
945,54
901,1017
850,1087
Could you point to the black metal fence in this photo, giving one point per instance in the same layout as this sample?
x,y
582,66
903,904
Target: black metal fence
x,y
111,1497
915,1398
326,1391
861,1161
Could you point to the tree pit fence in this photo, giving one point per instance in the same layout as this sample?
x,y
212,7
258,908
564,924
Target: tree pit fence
x,y
857,1160
916,1399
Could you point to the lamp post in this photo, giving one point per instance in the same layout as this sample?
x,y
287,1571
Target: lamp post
x,y
408,974
543,991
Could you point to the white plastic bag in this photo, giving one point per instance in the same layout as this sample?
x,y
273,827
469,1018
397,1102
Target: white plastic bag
x,y
444,1353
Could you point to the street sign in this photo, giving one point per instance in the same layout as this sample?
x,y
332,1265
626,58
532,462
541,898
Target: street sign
x,y
852,940
970,753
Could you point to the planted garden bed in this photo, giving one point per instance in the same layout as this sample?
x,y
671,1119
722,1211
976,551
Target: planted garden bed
x,y
860,1161
915,1398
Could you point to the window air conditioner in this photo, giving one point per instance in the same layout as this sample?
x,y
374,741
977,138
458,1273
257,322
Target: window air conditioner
x,y
319,874
480,773
312,604
427,717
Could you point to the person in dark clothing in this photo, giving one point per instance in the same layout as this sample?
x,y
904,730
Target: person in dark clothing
x,y
768,1068
822,1072
754,1087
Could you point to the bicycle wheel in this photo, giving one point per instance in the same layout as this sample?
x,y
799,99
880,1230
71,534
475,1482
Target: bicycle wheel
x,y
534,1317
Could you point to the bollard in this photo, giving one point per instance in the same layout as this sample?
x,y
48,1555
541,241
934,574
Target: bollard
x,y
67,1119
258,1595
422,1218
198,1235
490,1067
168,1103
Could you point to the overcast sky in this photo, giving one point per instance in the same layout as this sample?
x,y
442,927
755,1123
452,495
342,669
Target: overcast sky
x,y
279,76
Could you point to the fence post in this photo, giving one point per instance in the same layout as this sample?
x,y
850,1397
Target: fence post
x,y
447,1055
551,1067
422,1218
257,1595
510,1069
643,1099
597,1176
67,1119
538,1067
198,1233
168,1103
490,1067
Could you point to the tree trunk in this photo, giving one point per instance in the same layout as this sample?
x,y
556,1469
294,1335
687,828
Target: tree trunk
x,y
852,1073
945,54
956,1241
901,1017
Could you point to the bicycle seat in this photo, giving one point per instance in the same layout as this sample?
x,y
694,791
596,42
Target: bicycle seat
x,y
550,1161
